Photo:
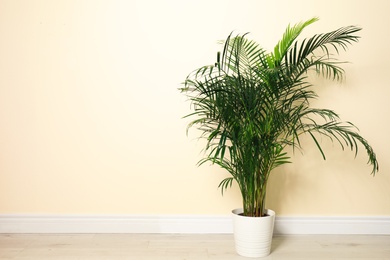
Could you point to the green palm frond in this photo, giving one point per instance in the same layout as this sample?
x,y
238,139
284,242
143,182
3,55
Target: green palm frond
x,y
288,38
299,58
346,135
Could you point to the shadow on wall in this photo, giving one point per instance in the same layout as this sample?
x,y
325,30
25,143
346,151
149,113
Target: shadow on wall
x,y
311,184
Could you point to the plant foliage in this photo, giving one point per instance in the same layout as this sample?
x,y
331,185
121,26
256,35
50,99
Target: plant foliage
x,y
251,104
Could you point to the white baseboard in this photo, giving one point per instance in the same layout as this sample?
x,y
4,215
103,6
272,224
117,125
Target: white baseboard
x,y
114,224
187,224
333,225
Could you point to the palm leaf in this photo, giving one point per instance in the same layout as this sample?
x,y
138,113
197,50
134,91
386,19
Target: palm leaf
x,y
288,38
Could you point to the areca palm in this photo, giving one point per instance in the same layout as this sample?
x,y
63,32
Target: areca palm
x,y
251,104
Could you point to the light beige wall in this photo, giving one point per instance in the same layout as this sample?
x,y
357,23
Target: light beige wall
x,y
90,115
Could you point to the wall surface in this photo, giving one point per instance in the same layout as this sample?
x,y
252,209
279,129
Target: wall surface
x,y
90,114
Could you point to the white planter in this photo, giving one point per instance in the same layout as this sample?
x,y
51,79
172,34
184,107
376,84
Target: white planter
x,y
253,235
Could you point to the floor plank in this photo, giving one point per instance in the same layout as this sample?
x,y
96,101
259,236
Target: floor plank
x,y
186,247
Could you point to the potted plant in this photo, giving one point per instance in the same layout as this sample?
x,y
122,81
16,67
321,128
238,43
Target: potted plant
x,y
252,104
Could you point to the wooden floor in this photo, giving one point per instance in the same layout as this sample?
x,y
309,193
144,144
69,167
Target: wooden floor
x,y
172,247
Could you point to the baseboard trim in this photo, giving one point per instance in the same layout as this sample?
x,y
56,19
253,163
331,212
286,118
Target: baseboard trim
x,y
185,224
114,224
333,225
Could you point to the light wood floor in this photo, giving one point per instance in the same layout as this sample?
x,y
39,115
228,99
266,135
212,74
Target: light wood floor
x,y
188,247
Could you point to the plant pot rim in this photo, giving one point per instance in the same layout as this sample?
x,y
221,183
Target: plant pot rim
x,y
238,211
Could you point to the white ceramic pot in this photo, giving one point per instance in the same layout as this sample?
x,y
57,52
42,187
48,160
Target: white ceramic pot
x,y
253,235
